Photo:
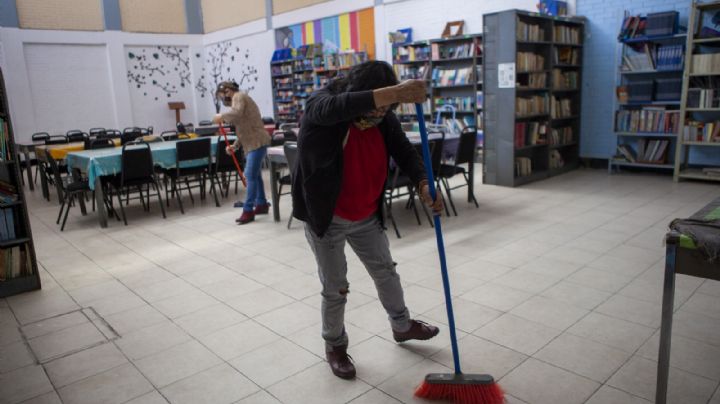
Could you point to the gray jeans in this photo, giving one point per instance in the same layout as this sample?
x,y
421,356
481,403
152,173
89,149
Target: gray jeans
x,y
367,238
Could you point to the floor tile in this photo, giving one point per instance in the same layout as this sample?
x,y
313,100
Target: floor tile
x,y
516,333
22,384
39,305
539,383
583,356
261,397
289,319
529,282
550,267
292,358
54,324
209,320
370,317
87,294
469,316
47,398
258,302
633,310
639,375
402,385
152,339
65,341
117,385
610,395
484,270
375,396
180,305
231,287
299,287
687,354
319,386
478,355
116,303
704,304
377,360
84,364
150,398
612,331
310,338
697,326
578,295
178,362
14,356
496,296
549,312
238,339
597,279
162,290
134,319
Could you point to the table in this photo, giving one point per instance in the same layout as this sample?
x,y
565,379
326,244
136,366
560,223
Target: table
x,y
98,163
276,158
683,255
60,151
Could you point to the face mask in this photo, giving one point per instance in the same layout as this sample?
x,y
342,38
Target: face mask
x,y
227,101
367,122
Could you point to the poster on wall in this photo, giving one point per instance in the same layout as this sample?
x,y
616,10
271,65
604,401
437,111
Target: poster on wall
x,y
158,75
349,31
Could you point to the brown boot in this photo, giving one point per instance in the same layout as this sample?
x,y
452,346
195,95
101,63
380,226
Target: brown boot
x,y
340,362
418,330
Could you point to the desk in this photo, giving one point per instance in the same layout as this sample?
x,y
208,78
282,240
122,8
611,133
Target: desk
x,y
98,163
684,256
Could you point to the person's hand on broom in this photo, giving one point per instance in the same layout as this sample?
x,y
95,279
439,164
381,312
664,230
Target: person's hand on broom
x,y
436,205
407,92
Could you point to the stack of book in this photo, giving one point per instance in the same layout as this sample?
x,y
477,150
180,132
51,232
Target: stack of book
x,y
409,109
530,134
565,80
529,32
652,151
707,96
444,52
460,103
670,57
561,108
566,34
536,80
15,263
534,105
653,120
278,70
7,224
560,136
529,61
695,131
412,53
706,63
567,56
457,125
452,77
407,72
523,166
633,26
639,60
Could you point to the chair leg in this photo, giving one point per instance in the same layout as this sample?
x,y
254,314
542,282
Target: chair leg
x,y
446,185
187,184
467,181
214,191
62,206
142,198
237,178
122,210
147,194
411,202
157,189
289,221
66,212
176,191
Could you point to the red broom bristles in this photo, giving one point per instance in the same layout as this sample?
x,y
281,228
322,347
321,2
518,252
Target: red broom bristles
x,y
462,393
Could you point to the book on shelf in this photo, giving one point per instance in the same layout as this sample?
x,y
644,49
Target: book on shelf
x,y
706,63
704,92
530,134
534,105
529,32
652,151
563,80
567,55
459,103
641,59
561,108
452,51
633,26
456,125
523,166
532,80
711,171
4,141
15,262
670,57
407,72
479,98
627,153
7,224
556,160
452,77
412,53
566,34
409,109
560,136
283,82
528,61
697,131
707,24
651,120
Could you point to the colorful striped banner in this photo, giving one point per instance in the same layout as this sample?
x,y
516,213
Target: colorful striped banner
x,y
309,31
354,36
344,28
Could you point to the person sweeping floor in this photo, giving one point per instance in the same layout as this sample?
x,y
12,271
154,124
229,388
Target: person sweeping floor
x,y
347,135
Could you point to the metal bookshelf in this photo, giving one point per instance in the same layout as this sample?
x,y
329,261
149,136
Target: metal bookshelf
x,y
628,77
684,167
18,265
502,44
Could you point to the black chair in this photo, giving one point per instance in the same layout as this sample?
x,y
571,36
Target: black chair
x,y
224,168
101,143
36,138
150,130
76,136
136,170
291,152
205,123
110,133
56,139
40,136
465,154
73,188
191,152
97,132
130,134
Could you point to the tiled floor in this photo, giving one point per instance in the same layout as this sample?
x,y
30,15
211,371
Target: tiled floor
x,y
557,294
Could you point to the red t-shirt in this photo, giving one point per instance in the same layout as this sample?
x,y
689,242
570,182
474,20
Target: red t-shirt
x,y
364,174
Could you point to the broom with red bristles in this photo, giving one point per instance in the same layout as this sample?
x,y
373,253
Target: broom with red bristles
x,y
458,387
235,160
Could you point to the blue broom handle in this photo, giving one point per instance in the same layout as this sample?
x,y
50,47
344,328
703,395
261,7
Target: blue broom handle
x,y
439,237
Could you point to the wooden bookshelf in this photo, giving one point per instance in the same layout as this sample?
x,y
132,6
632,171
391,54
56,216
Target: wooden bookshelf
x,y
633,128
687,166
18,265
534,118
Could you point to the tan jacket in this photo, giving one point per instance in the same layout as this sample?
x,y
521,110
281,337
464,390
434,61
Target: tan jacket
x,y
244,114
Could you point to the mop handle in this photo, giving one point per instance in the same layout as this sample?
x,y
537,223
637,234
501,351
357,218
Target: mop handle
x,y
237,164
439,237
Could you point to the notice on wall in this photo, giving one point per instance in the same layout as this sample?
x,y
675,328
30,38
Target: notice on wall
x,y
506,75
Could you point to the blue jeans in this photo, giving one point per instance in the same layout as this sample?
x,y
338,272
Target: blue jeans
x,y
255,188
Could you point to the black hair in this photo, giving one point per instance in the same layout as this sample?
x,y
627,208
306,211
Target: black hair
x,y
369,75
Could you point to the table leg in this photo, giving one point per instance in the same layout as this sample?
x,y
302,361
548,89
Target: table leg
x,y
663,368
28,168
100,203
471,176
274,191
44,185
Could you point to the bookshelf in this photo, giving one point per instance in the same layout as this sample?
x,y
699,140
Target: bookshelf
x,y
700,103
532,76
647,102
296,73
452,68
18,266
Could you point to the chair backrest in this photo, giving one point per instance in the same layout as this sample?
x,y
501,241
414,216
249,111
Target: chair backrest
x,y
136,163
150,139
56,139
193,149
169,135
150,130
130,135
291,152
40,136
97,132
77,137
48,159
205,123
100,143
224,162
110,133
467,146
436,153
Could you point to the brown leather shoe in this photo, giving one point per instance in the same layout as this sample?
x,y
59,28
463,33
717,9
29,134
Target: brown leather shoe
x,y
340,362
419,330
262,209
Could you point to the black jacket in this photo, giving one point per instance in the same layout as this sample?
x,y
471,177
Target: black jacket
x,y
317,178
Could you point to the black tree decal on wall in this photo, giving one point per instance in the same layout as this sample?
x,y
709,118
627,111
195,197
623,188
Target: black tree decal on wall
x,y
225,61
162,67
